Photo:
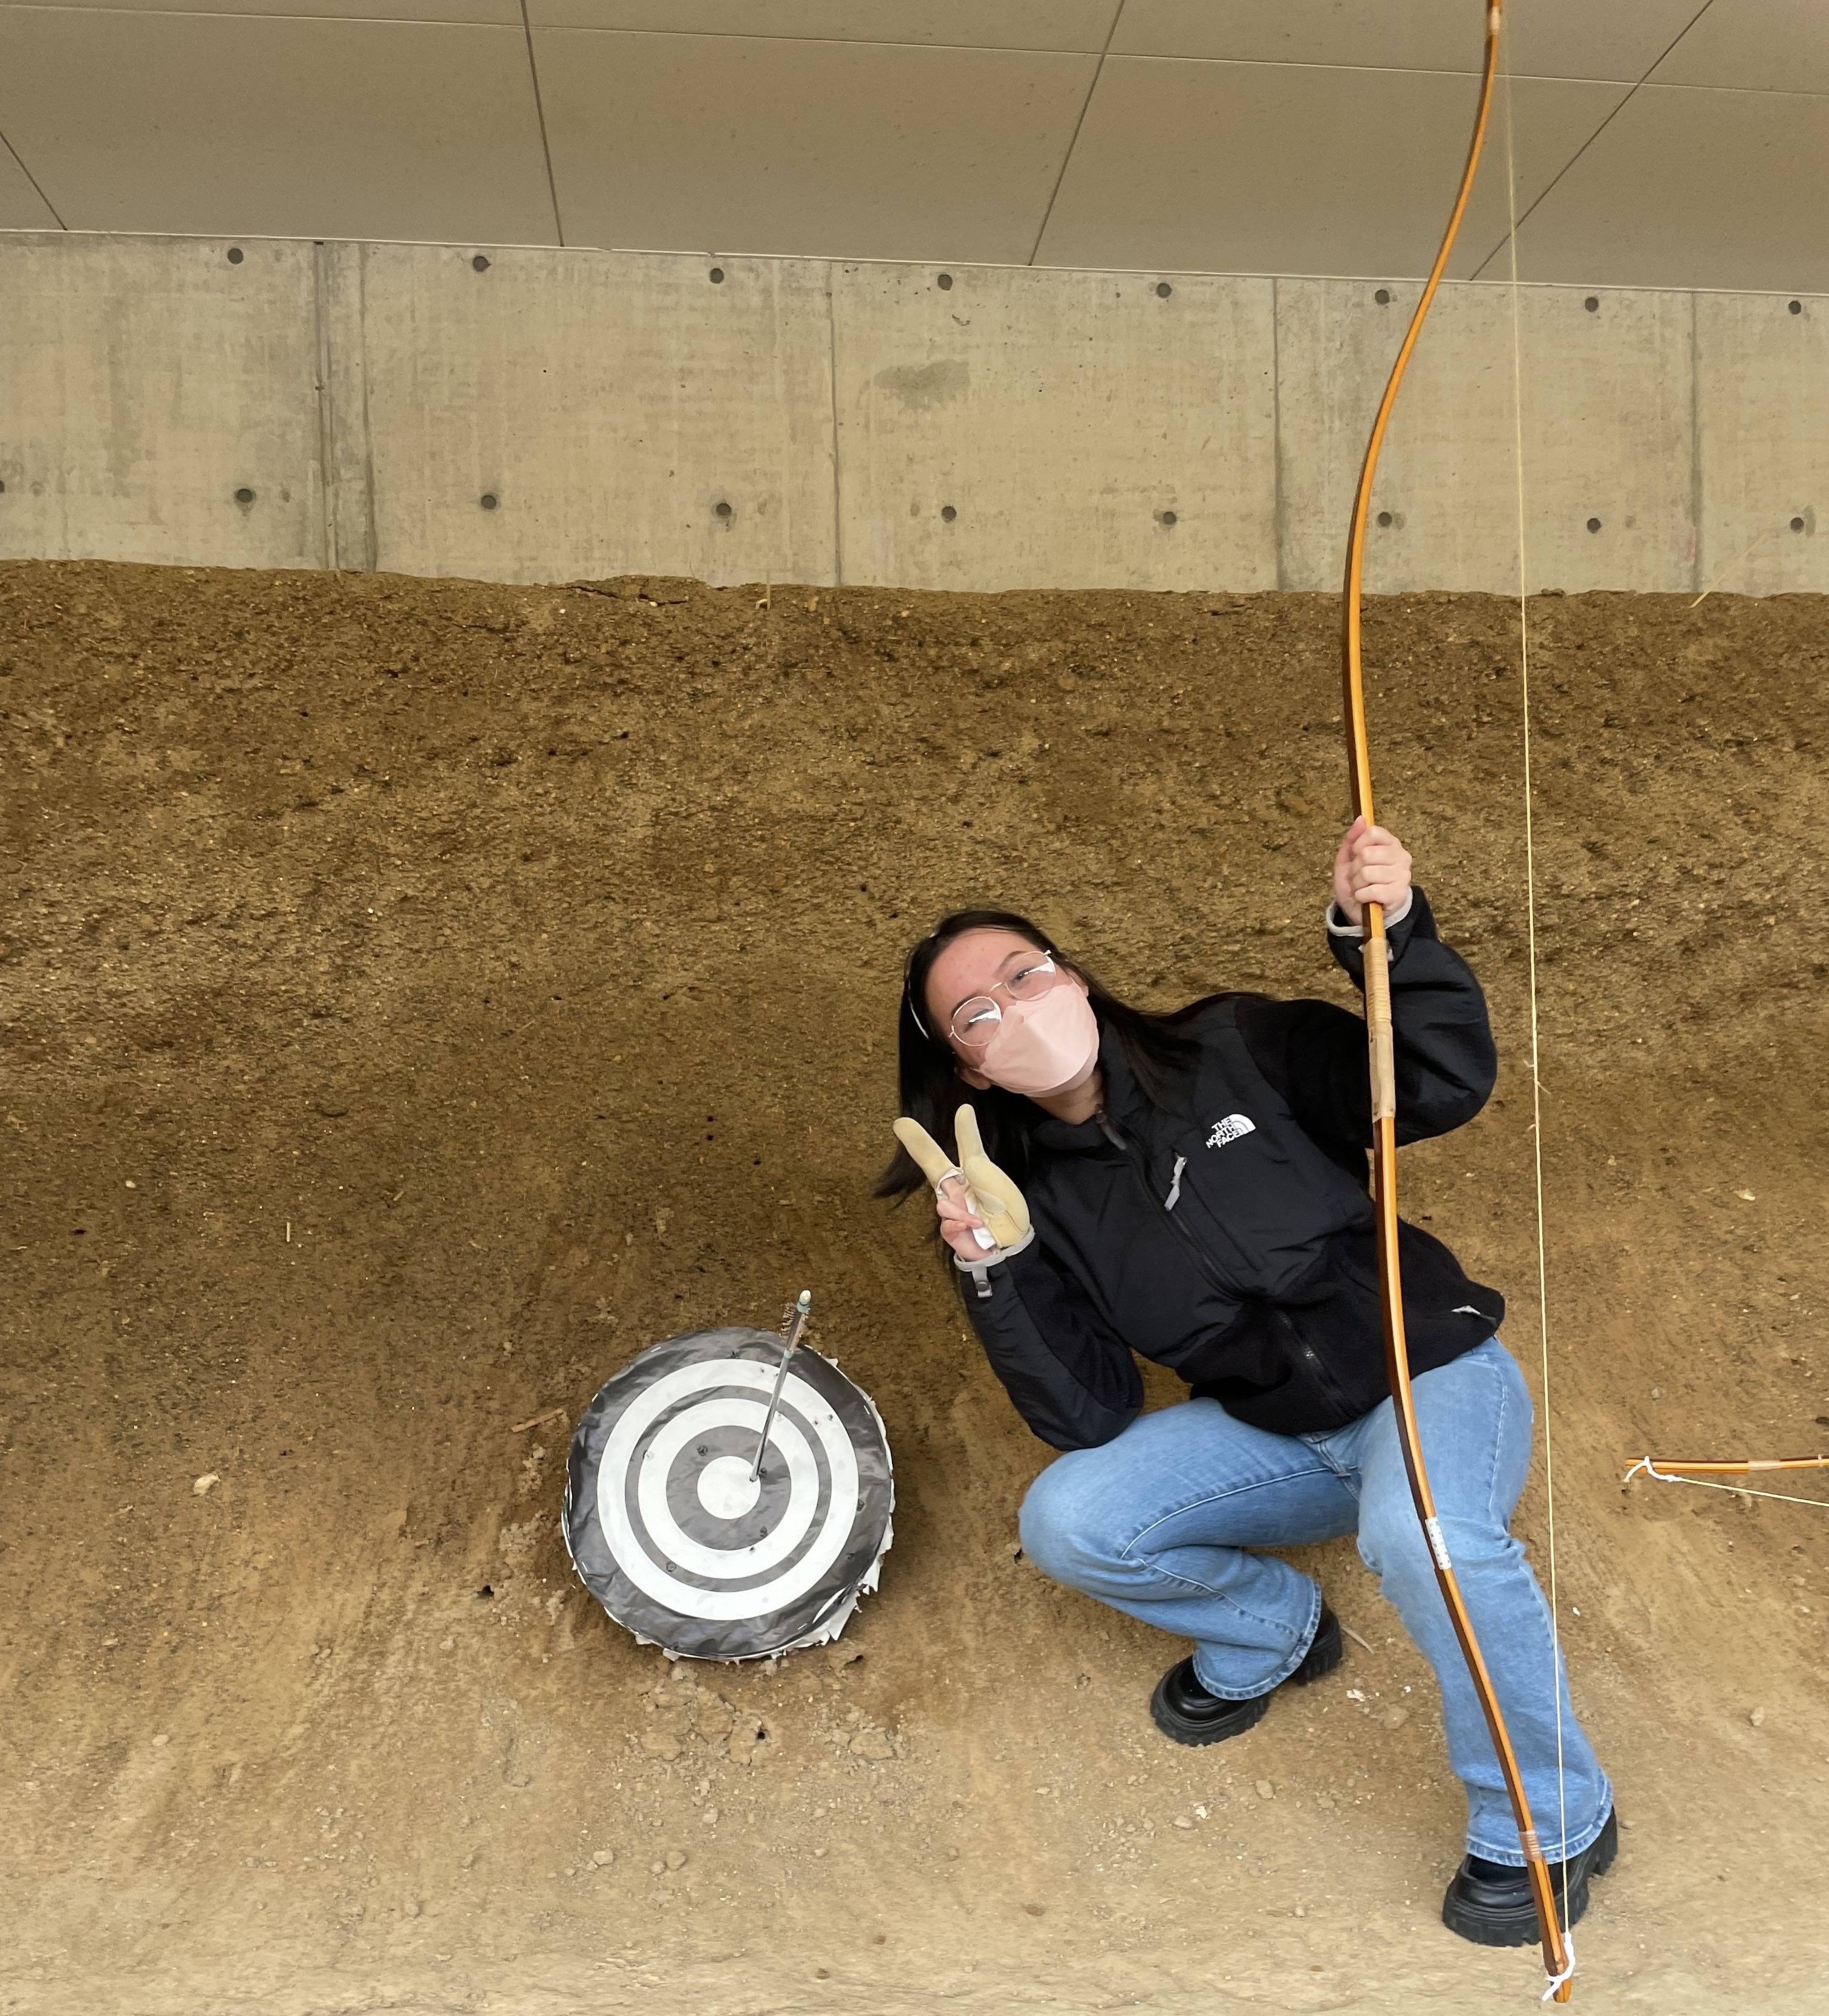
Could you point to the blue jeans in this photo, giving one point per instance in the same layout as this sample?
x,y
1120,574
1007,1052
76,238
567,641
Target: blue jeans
x,y
1156,1523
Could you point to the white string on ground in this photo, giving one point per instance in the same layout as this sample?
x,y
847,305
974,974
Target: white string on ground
x,y
1517,412
1644,1467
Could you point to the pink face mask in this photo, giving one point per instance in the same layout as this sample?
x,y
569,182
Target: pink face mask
x,y
1044,1046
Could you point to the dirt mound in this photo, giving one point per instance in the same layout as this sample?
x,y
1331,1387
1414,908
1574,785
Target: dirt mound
x,y
417,996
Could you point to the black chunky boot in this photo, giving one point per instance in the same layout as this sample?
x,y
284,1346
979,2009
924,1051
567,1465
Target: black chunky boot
x,y
1184,1710
1490,1902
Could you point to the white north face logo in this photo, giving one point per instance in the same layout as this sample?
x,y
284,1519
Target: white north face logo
x,y
1233,1127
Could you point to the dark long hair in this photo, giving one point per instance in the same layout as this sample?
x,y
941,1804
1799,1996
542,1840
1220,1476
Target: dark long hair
x,y
933,1091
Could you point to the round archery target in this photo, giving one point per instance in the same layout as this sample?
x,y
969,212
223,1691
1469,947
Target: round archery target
x,y
685,1537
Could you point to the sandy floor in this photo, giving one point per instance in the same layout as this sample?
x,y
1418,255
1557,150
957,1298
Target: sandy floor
x,y
416,997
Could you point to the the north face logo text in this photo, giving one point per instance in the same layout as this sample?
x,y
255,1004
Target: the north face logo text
x,y
1233,1127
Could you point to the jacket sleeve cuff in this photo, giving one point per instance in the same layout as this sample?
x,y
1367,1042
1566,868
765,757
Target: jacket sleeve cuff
x,y
1338,926
1413,919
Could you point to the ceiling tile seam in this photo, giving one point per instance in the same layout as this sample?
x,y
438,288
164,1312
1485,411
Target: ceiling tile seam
x,y
1073,138
1361,70
818,41
10,9
541,28
37,189
991,48
1651,88
539,113
1648,82
1518,223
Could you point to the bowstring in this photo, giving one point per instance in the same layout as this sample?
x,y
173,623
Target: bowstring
x,y
1517,409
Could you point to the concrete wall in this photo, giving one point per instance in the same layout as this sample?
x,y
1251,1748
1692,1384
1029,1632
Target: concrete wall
x,y
541,415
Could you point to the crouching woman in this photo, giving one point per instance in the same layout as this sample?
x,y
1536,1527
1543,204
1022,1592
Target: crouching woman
x,y
1190,1188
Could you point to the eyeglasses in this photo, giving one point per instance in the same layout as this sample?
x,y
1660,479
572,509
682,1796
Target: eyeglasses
x,y
976,1021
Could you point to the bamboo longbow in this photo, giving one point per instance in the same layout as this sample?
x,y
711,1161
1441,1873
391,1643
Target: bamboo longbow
x,y
1557,1958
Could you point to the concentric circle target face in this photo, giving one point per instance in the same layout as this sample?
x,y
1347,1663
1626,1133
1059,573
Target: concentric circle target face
x,y
689,1539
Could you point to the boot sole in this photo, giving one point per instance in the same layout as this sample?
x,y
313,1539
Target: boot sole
x,y
1485,1927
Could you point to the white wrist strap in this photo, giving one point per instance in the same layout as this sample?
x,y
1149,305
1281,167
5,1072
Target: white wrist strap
x,y
980,1270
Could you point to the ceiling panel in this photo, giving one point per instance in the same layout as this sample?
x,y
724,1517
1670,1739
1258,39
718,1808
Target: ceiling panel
x,y
1689,188
504,13
1244,168
21,207
990,24
672,141
1754,45
1618,41
207,123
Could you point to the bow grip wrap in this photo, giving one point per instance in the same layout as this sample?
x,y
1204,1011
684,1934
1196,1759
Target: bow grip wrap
x,y
1376,951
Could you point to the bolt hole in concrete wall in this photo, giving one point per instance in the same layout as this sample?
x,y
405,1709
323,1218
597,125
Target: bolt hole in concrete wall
x,y
1594,524
944,282
1383,297
245,496
1592,305
1384,518
235,255
1797,307
489,500
949,514
717,276
479,264
724,509
1164,289
1797,525
1169,518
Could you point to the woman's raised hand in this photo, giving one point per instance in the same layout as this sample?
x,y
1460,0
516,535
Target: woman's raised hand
x,y
980,1209
1372,866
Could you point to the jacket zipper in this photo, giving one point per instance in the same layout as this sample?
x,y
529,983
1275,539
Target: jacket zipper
x,y
1195,1252
1322,1377
1311,1358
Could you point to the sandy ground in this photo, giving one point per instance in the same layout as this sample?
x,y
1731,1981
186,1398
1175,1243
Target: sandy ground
x,y
416,997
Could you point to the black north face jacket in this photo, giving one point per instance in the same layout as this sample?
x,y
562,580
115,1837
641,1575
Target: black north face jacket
x,y
1234,1241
